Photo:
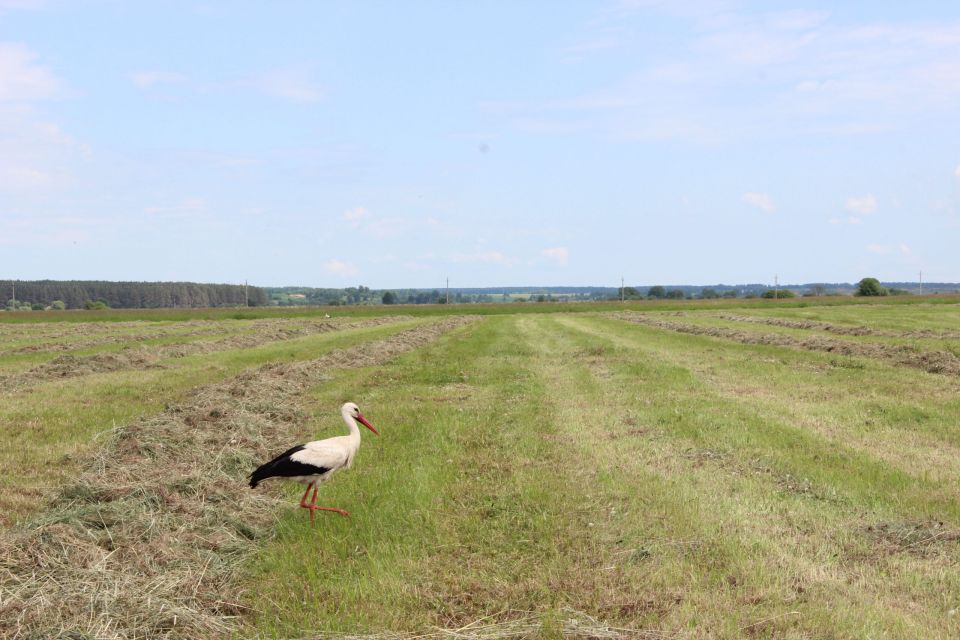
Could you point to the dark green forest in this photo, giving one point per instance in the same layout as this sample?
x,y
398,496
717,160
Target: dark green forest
x,y
79,294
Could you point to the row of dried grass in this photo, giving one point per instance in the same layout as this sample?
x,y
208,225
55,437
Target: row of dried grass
x,y
840,329
147,542
942,362
515,625
150,357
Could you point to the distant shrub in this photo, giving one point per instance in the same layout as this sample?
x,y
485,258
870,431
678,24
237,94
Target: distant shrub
x,y
59,305
871,287
778,294
94,305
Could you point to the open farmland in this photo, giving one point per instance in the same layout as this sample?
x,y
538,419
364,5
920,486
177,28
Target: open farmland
x,y
686,471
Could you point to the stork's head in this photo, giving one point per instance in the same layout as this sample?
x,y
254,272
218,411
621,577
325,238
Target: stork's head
x,y
352,410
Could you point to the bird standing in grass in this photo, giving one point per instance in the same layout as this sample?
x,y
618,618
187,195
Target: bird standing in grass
x,y
314,462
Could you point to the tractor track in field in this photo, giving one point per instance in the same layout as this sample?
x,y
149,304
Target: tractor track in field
x,y
151,357
942,362
148,541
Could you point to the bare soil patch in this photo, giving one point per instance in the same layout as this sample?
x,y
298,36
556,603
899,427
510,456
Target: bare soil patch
x,y
942,362
148,541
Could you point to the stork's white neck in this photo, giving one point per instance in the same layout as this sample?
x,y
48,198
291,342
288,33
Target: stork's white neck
x,y
352,425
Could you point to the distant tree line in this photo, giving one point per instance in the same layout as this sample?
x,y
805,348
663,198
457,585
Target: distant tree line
x,y
76,294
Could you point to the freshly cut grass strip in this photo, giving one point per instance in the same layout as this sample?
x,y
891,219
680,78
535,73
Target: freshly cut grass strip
x,y
146,542
943,362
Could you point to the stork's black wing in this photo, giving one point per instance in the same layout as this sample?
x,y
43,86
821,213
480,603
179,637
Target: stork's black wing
x,y
283,467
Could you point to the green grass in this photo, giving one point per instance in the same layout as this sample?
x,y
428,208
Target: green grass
x,y
531,463
44,425
543,462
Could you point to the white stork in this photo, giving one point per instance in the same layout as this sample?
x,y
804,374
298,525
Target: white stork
x,y
314,462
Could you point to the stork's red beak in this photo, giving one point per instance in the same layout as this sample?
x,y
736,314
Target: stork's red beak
x,y
367,424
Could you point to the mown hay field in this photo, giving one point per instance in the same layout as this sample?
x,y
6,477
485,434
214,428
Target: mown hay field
x,y
776,471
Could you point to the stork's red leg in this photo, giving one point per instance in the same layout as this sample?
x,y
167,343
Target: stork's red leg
x,y
303,500
313,503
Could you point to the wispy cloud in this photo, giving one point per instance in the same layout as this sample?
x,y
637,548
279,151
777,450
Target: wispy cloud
x,y
486,257
759,200
150,79
804,72
292,84
21,4
356,215
35,154
559,254
340,268
22,77
860,207
190,207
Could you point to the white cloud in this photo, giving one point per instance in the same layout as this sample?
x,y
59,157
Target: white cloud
x,y
355,215
760,200
560,254
149,79
956,171
862,206
880,249
22,78
340,268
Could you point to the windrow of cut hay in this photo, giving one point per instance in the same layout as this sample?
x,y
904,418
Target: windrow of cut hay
x,y
840,329
905,355
80,337
148,540
150,357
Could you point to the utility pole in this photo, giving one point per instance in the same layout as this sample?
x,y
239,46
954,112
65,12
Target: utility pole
x,y
621,288
448,290
921,283
13,283
776,285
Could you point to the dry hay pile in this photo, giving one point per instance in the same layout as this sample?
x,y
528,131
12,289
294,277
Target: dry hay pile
x,y
147,542
144,357
930,361
839,329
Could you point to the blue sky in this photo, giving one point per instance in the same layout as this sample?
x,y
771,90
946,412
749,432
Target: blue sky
x,y
395,144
